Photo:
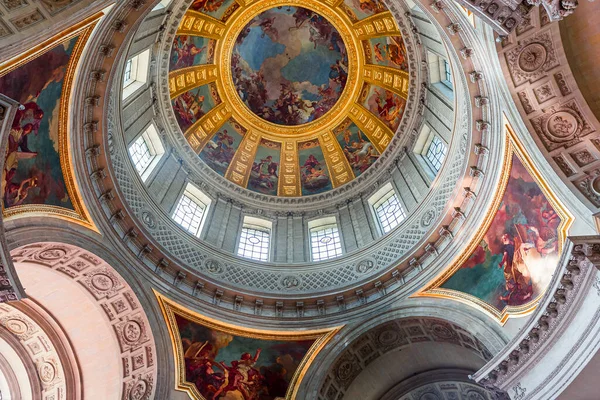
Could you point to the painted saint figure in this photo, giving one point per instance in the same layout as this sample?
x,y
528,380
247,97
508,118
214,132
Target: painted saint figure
x,y
516,275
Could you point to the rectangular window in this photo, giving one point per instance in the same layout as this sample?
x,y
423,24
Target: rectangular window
x,y
447,74
140,153
128,76
146,151
191,210
135,74
325,242
389,211
436,153
255,239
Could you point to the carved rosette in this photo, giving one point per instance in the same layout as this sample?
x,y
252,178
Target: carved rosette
x,y
528,61
561,125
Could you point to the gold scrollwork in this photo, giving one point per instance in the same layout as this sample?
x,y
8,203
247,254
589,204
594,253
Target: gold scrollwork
x,y
378,25
336,161
182,80
199,24
289,180
388,78
241,165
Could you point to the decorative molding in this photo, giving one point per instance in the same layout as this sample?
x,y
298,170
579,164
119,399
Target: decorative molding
x,y
117,300
551,104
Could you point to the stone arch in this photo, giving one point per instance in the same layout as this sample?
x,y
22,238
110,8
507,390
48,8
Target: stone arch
x,y
100,294
403,334
44,353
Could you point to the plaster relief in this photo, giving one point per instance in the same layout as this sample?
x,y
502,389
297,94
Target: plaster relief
x,y
529,61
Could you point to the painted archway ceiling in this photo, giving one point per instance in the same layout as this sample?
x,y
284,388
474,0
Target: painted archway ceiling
x,y
288,98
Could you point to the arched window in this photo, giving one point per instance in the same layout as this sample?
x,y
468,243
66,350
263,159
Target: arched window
x,y
388,208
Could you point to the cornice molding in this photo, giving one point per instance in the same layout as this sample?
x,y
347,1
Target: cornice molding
x,y
400,272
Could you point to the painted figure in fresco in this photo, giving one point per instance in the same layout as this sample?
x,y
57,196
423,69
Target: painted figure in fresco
x,y
389,108
265,172
279,95
184,51
217,380
268,29
371,6
189,107
241,377
206,5
313,174
361,154
27,120
518,283
392,52
219,151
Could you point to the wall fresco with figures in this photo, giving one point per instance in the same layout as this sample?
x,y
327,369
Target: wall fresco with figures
x,y
192,106
514,262
357,147
219,150
270,60
385,105
33,172
264,177
314,175
189,50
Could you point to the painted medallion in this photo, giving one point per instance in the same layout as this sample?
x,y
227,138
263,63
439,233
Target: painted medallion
x,y
270,65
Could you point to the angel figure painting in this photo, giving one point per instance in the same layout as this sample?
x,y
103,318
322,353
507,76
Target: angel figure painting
x,y
192,105
386,105
314,175
32,173
514,262
188,51
269,65
389,52
366,8
219,151
357,147
214,8
223,366
264,176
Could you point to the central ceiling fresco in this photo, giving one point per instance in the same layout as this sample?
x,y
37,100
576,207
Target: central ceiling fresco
x,y
288,98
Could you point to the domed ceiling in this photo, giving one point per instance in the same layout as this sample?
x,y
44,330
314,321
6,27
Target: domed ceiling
x,y
288,98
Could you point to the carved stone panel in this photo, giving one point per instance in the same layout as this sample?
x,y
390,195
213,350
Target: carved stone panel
x,y
531,58
561,125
